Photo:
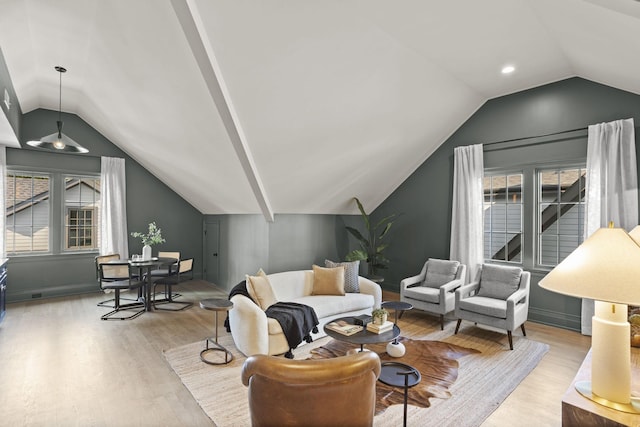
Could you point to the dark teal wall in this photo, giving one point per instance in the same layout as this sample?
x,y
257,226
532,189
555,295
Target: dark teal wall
x,y
291,242
148,199
424,198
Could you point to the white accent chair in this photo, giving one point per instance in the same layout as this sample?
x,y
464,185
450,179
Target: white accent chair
x,y
499,297
433,290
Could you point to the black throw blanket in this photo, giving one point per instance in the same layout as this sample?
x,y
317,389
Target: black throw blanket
x,y
297,321
239,289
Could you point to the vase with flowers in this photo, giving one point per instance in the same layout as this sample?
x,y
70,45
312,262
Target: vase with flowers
x,y
152,237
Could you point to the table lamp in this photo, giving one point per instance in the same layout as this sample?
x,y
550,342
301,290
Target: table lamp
x,y
605,268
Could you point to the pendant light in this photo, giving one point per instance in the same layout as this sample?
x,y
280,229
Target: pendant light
x,y
58,141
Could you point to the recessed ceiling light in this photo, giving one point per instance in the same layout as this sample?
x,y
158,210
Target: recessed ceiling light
x,y
508,69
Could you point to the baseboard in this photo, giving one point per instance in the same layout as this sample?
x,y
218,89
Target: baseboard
x,y
51,292
555,318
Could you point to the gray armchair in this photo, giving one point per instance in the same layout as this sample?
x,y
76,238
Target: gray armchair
x,y
499,297
433,290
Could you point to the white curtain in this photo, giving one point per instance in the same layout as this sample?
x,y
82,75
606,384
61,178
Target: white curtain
x,y
113,201
467,234
3,189
612,185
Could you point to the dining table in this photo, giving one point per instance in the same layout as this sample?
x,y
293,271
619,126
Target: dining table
x,y
145,267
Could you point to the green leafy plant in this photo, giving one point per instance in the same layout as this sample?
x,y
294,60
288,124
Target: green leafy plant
x,y
371,246
379,312
152,237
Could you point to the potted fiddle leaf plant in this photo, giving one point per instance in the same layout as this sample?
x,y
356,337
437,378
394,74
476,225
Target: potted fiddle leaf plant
x,y
372,243
152,237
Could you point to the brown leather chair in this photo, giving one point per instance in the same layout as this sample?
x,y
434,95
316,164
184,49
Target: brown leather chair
x,y
340,391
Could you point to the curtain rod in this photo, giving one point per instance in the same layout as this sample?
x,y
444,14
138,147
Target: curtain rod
x,y
524,138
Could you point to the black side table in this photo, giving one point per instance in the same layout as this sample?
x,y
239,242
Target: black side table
x,y
216,305
398,374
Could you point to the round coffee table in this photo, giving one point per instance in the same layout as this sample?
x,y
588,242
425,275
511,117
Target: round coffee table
x,y
396,348
363,337
216,305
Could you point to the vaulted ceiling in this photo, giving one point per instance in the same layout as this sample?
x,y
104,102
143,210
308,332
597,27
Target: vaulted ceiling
x,y
293,106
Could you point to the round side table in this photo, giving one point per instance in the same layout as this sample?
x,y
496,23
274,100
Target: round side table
x,y
400,375
396,348
216,305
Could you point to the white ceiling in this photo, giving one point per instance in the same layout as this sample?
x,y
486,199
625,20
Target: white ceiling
x,y
294,106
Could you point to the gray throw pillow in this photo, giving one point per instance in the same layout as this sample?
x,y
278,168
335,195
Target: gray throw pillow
x,y
440,272
351,270
499,281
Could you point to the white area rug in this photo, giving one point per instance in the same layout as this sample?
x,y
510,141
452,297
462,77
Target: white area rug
x,y
484,380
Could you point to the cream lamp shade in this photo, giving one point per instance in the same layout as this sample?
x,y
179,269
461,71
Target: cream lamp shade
x,y
635,234
605,268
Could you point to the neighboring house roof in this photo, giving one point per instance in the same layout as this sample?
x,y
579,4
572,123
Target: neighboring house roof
x,y
499,183
21,190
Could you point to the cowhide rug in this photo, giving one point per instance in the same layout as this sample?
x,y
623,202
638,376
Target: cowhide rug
x,y
437,362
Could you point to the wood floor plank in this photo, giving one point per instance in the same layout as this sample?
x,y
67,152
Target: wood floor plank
x,y
60,365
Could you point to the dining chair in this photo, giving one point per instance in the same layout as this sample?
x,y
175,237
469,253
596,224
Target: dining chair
x,y
168,270
118,276
184,266
107,258
99,260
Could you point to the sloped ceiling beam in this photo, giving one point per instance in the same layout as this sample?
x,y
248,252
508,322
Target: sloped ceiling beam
x,y
194,31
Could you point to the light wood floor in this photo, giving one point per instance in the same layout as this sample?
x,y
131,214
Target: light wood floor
x,y
60,365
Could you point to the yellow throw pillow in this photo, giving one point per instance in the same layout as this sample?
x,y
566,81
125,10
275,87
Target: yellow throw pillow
x,y
260,290
328,281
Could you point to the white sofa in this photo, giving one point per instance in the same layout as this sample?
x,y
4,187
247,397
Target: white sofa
x,y
254,333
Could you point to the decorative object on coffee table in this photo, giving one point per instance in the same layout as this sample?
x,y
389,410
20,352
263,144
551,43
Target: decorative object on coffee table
x,y
395,348
364,336
379,316
216,305
362,319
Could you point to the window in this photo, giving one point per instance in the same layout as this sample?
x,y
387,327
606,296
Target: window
x,y
553,210
503,217
81,224
37,201
80,229
560,213
27,213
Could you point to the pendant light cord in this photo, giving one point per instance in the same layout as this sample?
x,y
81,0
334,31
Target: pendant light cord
x,y
60,96
60,70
